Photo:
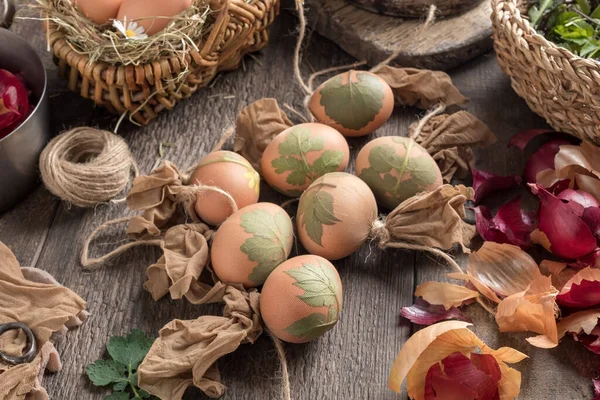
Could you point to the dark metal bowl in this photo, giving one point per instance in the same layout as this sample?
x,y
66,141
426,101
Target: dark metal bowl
x,y
20,150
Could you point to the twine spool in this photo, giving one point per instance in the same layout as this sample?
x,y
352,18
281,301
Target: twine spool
x,y
86,166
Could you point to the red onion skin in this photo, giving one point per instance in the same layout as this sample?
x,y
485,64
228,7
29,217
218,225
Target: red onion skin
x,y
542,159
578,196
14,102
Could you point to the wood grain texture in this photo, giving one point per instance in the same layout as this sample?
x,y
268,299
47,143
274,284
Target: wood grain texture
x,y
372,37
352,361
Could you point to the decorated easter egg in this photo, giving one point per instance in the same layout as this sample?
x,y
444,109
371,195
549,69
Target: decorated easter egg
x,y
99,11
354,102
335,215
143,11
251,243
301,299
230,172
301,154
396,168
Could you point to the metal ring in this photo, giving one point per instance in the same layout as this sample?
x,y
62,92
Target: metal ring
x,y
8,15
31,349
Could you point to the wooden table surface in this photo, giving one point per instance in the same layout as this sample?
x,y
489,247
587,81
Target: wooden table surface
x,y
354,359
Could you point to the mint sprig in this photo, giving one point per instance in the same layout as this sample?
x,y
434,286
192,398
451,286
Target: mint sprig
x,y
120,370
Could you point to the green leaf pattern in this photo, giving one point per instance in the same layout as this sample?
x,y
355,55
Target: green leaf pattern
x,y
386,175
355,104
321,289
271,241
315,210
294,150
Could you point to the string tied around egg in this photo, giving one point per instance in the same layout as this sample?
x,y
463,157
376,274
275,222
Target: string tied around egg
x,y
87,166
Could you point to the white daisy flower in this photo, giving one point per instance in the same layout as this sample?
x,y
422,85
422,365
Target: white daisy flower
x,y
130,30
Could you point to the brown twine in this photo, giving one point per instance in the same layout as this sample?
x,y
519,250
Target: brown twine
x,y
87,166
380,232
186,197
430,114
285,376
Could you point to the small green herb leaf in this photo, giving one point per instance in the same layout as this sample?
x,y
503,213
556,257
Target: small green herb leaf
x,y
300,141
315,210
120,385
319,283
310,327
270,243
353,104
105,372
584,6
118,396
329,161
535,12
129,350
297,167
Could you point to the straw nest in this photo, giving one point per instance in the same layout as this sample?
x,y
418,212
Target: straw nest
x,y
103,43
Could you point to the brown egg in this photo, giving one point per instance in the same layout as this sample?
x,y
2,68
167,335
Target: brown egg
x,y
251,243
230,172
141,10
301,154
392,176
335,215
355,103
301,299
99,11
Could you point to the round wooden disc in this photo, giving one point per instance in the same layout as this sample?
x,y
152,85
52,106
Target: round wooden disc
x,y
365,35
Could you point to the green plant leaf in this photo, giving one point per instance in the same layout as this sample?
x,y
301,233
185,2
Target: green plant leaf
x,y
121,385
118,396
315,210
105,372
129,350
294,155
355,104
535,13
319,282
584,6
143,394
300,141
310,327
596,13
270,243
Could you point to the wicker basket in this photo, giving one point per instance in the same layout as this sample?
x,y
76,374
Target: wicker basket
x,y
238,27
556,84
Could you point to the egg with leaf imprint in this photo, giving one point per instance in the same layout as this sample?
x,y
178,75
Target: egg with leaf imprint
x,y
301,299
397,168
251,243
231,173
335,215
355,103
301,154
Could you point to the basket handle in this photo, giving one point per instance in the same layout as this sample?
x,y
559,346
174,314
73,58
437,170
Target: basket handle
x,y
8,15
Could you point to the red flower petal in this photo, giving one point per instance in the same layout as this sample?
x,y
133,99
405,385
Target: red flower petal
x,y
440,387
511,224
423,313
578,196
485,183
460,368
521,139
568,234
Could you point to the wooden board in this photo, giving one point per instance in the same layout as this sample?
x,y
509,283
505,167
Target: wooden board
x,y
351,362
373,37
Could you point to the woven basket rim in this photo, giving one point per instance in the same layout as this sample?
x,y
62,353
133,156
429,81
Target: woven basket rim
x,y
529,31
54,30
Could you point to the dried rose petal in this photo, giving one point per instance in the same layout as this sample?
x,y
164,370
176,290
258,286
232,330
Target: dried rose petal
x,y
485,183
511,224
423,313
568,234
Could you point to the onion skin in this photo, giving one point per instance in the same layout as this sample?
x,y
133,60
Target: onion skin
x,y
14,102
542,159
578,196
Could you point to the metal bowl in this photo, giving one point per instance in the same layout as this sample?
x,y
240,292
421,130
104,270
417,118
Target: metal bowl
x,y
20,150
